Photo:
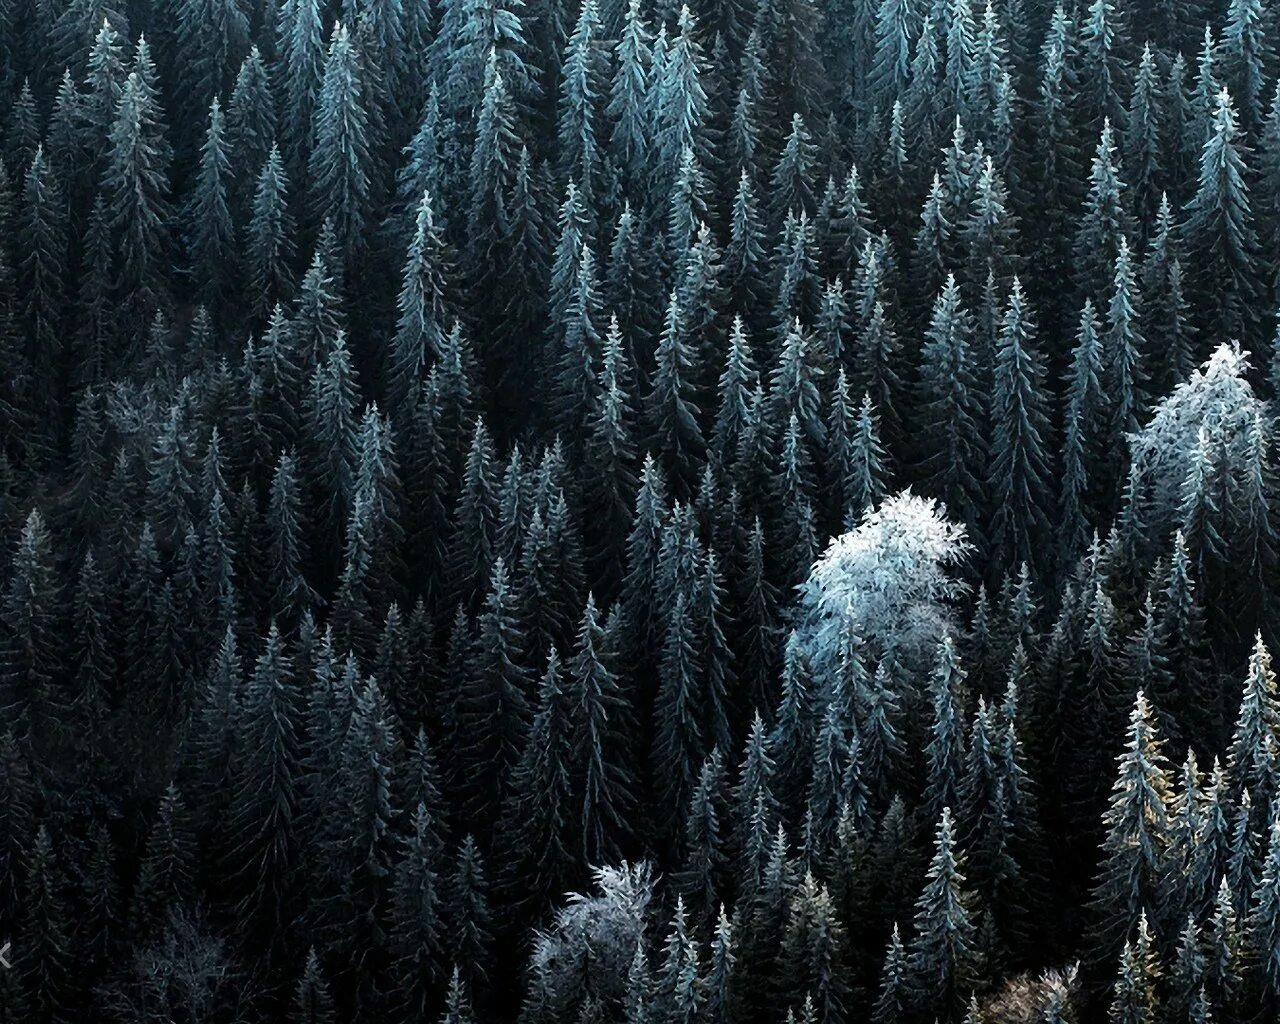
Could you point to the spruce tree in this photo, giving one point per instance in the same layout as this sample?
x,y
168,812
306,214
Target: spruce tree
x,y
1218,228
269,243
135,182
417,926
672,415
268,777
1264,920
1131,877
952,446
600,715
946,749
491,715
339,171
211,238
1019,433
630,95
43,267
944,959
419,335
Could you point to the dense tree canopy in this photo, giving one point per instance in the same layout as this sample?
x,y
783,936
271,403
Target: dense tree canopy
x,y
740,512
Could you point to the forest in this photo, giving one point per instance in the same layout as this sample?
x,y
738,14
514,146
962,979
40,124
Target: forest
x,y
639,511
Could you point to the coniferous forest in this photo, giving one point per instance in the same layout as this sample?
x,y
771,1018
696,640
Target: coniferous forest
x,y
634,512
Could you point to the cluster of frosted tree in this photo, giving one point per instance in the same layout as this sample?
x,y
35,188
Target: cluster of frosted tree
x,y
631,512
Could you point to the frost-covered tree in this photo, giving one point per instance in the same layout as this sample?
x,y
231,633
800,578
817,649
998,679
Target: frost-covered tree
x,y
1135,851
591,945
896,567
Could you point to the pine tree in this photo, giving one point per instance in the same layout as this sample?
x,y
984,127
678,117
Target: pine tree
x,y
104,80
166,877
893,1000
734,390
46,978
1134,1001
630,95
791,188
600,717
303,59
1245,54
1102,43
890,65
1086,425
679,100
540,810
93,654
812,952
610,449
251,122
583,84
1106,214
1142,141
677,989
703,845
332,427
794,385
30,656
678,741
721,978
469,916
494,161
211,38
876,354
1224,946
1252,756
417,926
580,345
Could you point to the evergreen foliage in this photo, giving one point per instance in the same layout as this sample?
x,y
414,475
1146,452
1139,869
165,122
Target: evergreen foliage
x,y
646,512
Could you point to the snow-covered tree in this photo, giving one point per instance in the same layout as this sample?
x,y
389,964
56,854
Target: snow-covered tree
x,y
897,570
